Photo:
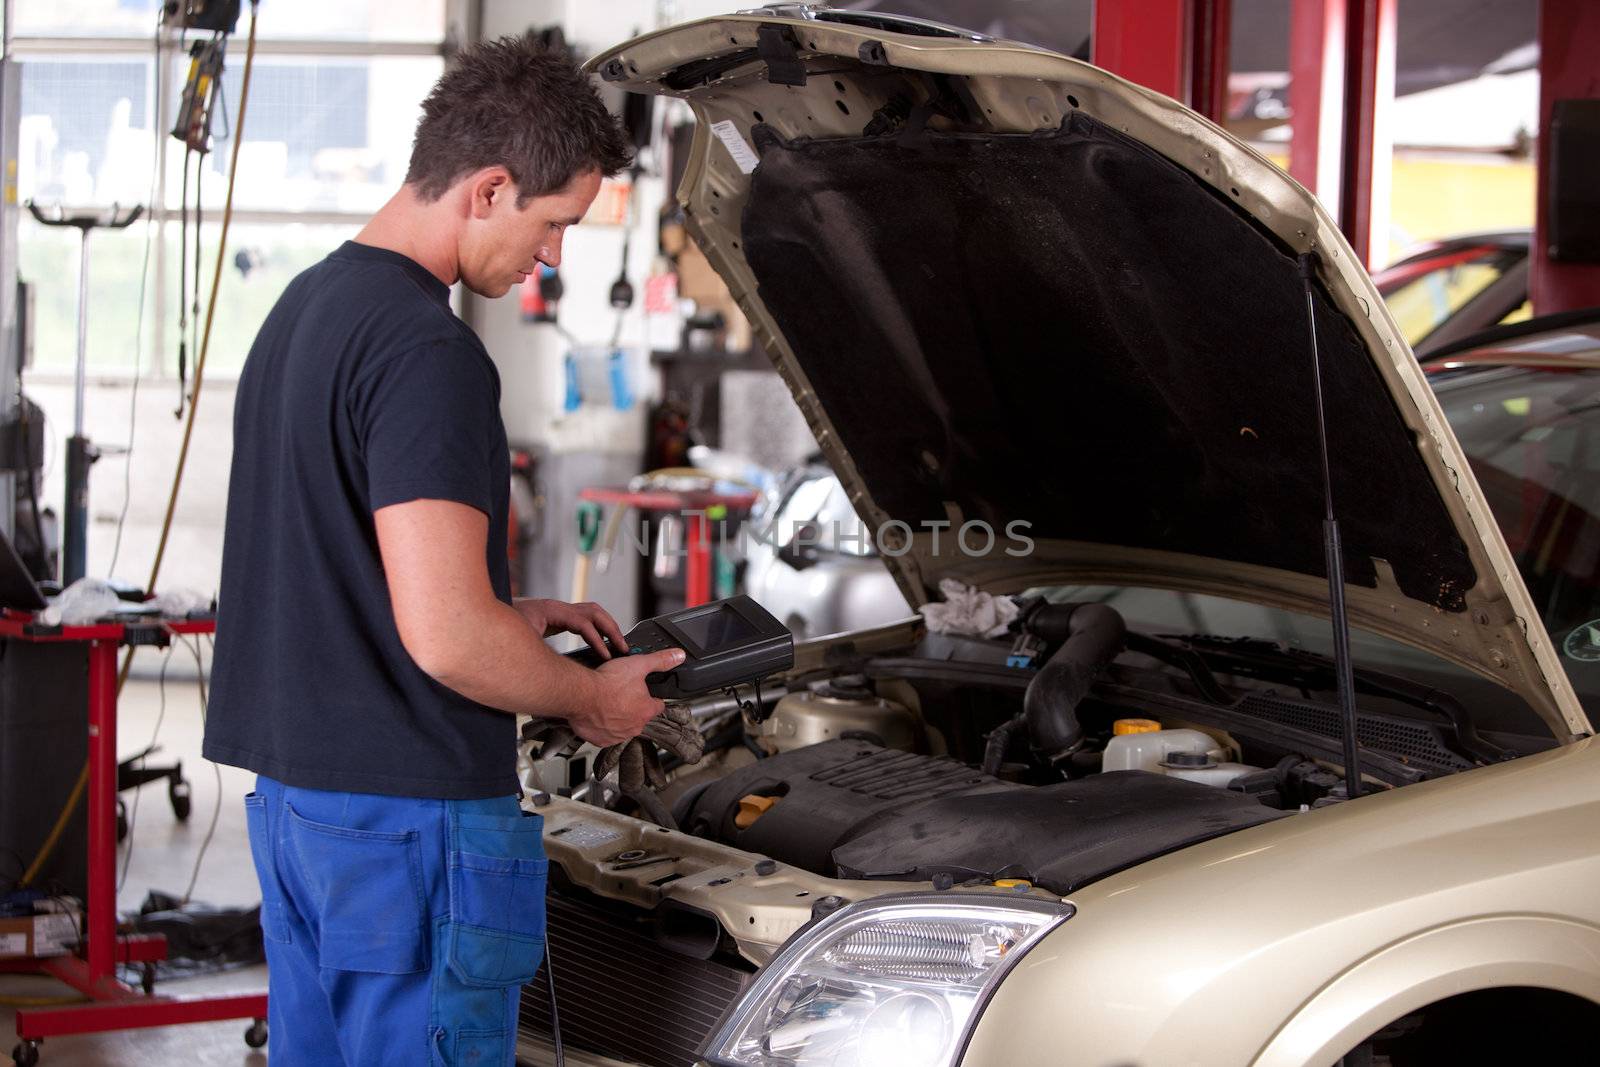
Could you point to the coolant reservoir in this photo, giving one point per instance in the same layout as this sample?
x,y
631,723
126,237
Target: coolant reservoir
x,y
1205,769
1147,751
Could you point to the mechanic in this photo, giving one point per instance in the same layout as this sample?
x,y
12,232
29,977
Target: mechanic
x,y
370,658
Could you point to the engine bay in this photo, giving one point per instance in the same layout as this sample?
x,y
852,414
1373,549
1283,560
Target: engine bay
x,y
904,761
1042,759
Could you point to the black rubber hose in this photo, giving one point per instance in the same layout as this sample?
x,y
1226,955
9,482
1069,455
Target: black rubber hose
x,y
1091,635
994,753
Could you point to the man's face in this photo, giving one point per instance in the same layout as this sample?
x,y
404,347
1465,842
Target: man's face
x,y
504,243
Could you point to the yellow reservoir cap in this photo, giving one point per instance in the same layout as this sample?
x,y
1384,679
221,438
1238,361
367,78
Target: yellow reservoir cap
x,y
1123,727
1013,883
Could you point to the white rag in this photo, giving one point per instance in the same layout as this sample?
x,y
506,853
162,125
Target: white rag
x,y
82,602
90,599
968,611
180,603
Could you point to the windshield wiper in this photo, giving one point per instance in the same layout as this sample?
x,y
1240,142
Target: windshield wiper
x,y
1201,655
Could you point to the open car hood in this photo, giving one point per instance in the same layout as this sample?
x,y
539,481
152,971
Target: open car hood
x,y
1008,287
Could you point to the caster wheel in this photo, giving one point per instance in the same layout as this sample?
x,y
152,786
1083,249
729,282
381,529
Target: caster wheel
x,y
178,793
122,822
147,978
256,1036
26,1054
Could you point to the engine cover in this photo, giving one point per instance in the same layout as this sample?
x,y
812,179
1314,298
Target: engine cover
x,y
825,792
854,810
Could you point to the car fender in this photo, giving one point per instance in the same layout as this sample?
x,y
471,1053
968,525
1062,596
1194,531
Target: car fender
x,y
1494,951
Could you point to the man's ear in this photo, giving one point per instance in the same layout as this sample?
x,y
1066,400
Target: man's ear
x,y
487,188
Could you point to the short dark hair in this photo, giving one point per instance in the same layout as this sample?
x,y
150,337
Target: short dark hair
x,y
518,104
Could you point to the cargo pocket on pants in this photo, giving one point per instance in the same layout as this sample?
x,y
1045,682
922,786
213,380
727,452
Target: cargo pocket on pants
x,y
495,936
264,854
472,1048
365,887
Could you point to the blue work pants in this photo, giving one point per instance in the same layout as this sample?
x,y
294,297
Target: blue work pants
x,y
398,930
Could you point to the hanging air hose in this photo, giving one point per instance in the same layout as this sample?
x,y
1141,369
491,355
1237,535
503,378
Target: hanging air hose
x,y
76,796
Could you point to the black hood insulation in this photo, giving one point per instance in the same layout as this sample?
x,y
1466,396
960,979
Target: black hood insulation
x,y
1067,328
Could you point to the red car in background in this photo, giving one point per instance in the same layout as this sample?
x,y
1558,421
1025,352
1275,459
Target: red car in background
x,y
1445,291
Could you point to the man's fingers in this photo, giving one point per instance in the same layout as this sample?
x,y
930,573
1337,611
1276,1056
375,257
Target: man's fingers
x,y
664,660
587,631
608,626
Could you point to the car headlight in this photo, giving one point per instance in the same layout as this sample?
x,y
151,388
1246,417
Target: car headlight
x,y
893,980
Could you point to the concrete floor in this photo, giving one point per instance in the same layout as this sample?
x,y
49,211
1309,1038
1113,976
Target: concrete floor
x,y
163,857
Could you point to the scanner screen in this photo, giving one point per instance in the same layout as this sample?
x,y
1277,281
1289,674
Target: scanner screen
x,y
717,630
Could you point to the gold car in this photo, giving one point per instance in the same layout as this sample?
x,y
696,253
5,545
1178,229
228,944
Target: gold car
x,y
1051,330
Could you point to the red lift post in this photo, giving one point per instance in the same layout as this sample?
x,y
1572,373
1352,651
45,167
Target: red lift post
x,y
1176,47
1341,91
1341,59
1569,41
1316,90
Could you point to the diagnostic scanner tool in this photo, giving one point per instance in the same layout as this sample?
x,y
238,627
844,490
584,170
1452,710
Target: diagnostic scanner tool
x,y
725,643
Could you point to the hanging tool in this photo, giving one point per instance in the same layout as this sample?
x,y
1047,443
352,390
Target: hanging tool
x,y
200,93
193,128
541,295
621,297
608,543
80,453
218,16
589,516
622,289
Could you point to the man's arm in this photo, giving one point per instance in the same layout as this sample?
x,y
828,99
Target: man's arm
x,y
465,638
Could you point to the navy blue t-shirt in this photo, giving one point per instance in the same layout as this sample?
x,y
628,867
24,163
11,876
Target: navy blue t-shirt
x,y
362,390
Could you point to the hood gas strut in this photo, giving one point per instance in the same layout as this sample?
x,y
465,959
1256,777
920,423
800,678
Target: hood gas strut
x,y
1333,551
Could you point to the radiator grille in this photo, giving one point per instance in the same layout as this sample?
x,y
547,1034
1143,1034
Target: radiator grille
x,y
620,993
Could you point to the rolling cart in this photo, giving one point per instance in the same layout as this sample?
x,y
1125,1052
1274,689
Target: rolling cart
x,y
91,970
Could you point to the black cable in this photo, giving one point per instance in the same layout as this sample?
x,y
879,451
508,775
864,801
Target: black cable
x,y
216,811
133,812
222,101
22,866
138,329
555,1019
183,280
199,216
33,479
58,895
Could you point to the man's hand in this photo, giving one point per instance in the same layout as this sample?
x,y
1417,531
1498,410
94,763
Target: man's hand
x,y
624,705
463,637
589,621
674,729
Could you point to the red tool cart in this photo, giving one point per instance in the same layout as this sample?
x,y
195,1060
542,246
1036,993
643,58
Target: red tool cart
x,y
693,506
92,971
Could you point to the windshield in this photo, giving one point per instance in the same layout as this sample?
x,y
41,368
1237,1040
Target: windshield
x,y
1533,438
